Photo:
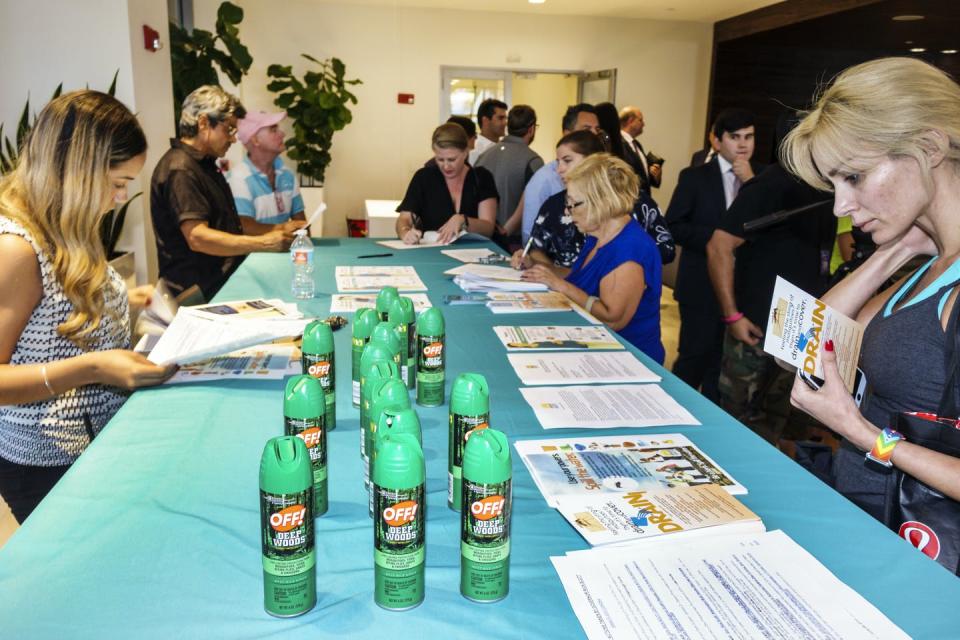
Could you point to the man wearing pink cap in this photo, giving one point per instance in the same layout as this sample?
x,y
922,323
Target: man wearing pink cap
x,y
264,190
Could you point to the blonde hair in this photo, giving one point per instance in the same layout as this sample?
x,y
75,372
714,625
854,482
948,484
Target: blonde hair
x,y
209,100
878,109
608,184
450,136
58,189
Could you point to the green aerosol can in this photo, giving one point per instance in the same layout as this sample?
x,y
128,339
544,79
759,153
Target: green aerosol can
x,y
373,352
399,529
383,393
286,528
485,517
319,360
304,417
373,370
384,299
386,332
431,358
469,411
403,315
363,323
395,419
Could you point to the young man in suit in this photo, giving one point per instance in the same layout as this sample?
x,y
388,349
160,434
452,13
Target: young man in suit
x,y
702,196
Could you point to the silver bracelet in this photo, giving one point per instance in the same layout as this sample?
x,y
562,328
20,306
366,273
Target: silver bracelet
x,y
46,381
588,305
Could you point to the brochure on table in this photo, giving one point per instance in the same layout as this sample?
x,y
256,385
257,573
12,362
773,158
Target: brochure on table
x,y
799,324
545,338
588,466
527,302
633,517
349,303
430,239
606,407
370,279
264,362
572,368
751,586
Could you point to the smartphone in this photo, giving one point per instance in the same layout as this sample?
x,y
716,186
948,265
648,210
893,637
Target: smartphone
x,y
859,383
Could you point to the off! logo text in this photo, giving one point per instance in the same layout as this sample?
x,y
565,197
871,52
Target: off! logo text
x,y
433,350
488,508
319,369
310,437
401,513
288,518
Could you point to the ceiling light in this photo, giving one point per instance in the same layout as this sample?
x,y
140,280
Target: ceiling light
x,y
948,51
536,1
917,50
907,18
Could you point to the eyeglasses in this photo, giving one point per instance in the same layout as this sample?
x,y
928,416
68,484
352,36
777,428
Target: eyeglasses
x,y
570,206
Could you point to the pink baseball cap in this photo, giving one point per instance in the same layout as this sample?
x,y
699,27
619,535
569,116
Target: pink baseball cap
x,y
256,120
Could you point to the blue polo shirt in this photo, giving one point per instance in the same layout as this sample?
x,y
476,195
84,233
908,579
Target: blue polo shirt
x,y
256,199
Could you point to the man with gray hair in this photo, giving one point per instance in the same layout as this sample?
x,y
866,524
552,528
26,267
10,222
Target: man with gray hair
x,y
200,240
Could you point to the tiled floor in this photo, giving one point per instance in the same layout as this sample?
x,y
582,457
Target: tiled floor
x,y
670,328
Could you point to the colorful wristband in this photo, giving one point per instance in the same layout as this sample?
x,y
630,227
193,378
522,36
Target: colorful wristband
x,y
883,448
733,318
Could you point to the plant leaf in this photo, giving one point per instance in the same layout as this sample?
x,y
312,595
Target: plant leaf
x,y
112,91
230,13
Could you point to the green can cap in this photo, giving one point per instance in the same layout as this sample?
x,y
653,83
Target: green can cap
x,y
386,332
470,395
401,311
486,457
430,322
397,418
385,393
399,462
285,466
303,398
384,299
364,321
380,370
317,338
373,351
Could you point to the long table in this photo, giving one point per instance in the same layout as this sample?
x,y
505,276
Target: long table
x,y
154,532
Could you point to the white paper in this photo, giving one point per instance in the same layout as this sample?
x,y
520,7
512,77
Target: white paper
x,y
316,214
754,586
265,362
474,284
526,302
428,240
349,303
799,323
486,272
545,338
573,368
195,336
606,407
595,465
468,255
373,278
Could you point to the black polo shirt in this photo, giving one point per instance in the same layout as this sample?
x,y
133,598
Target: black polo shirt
x,y
429,199
188,185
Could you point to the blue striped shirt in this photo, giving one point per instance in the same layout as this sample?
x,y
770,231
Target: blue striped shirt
x,y
256,199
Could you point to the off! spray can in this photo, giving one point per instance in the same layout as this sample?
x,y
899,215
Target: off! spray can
x,y
319,361
383,393
402,315
431,357
303,417
363,323
399,529
386,333
374,371
286,528
372,353
485,517
469,411
384,299
395,419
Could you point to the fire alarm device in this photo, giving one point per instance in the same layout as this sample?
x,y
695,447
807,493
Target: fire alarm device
x,y
404,98
151,39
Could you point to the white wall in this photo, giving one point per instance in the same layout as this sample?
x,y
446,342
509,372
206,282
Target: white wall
x,y
663,67
45,42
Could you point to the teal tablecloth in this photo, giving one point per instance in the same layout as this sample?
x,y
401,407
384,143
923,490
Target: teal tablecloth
x,y
154,532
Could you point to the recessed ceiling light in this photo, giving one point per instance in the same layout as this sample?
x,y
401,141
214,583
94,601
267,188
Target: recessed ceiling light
x,y
948,51
907,18
917,50
908,42
536,1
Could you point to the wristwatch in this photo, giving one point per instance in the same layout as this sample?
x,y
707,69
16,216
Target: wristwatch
x,y
878,458
463,226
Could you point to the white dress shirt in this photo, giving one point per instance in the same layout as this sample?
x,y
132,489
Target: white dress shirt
x,y
730,187
482,144
627,139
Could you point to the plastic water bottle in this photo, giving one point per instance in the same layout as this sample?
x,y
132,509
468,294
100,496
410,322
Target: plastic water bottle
x,y
301,258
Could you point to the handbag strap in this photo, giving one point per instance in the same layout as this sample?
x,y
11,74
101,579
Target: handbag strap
x,y
949,405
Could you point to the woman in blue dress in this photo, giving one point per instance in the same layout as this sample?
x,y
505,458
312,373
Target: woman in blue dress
x,y
617,276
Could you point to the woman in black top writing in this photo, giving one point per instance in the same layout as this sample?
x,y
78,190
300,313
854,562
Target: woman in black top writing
x,y
448,196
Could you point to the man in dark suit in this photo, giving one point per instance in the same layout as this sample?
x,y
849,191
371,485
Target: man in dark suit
x,y
702,196
631,126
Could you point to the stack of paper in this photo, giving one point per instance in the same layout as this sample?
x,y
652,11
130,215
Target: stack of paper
x,y
264,362
751,586
483,277
368,279
348,303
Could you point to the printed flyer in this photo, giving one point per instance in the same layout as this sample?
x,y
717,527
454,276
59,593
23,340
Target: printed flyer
x,y
614,464
552,337
797,326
